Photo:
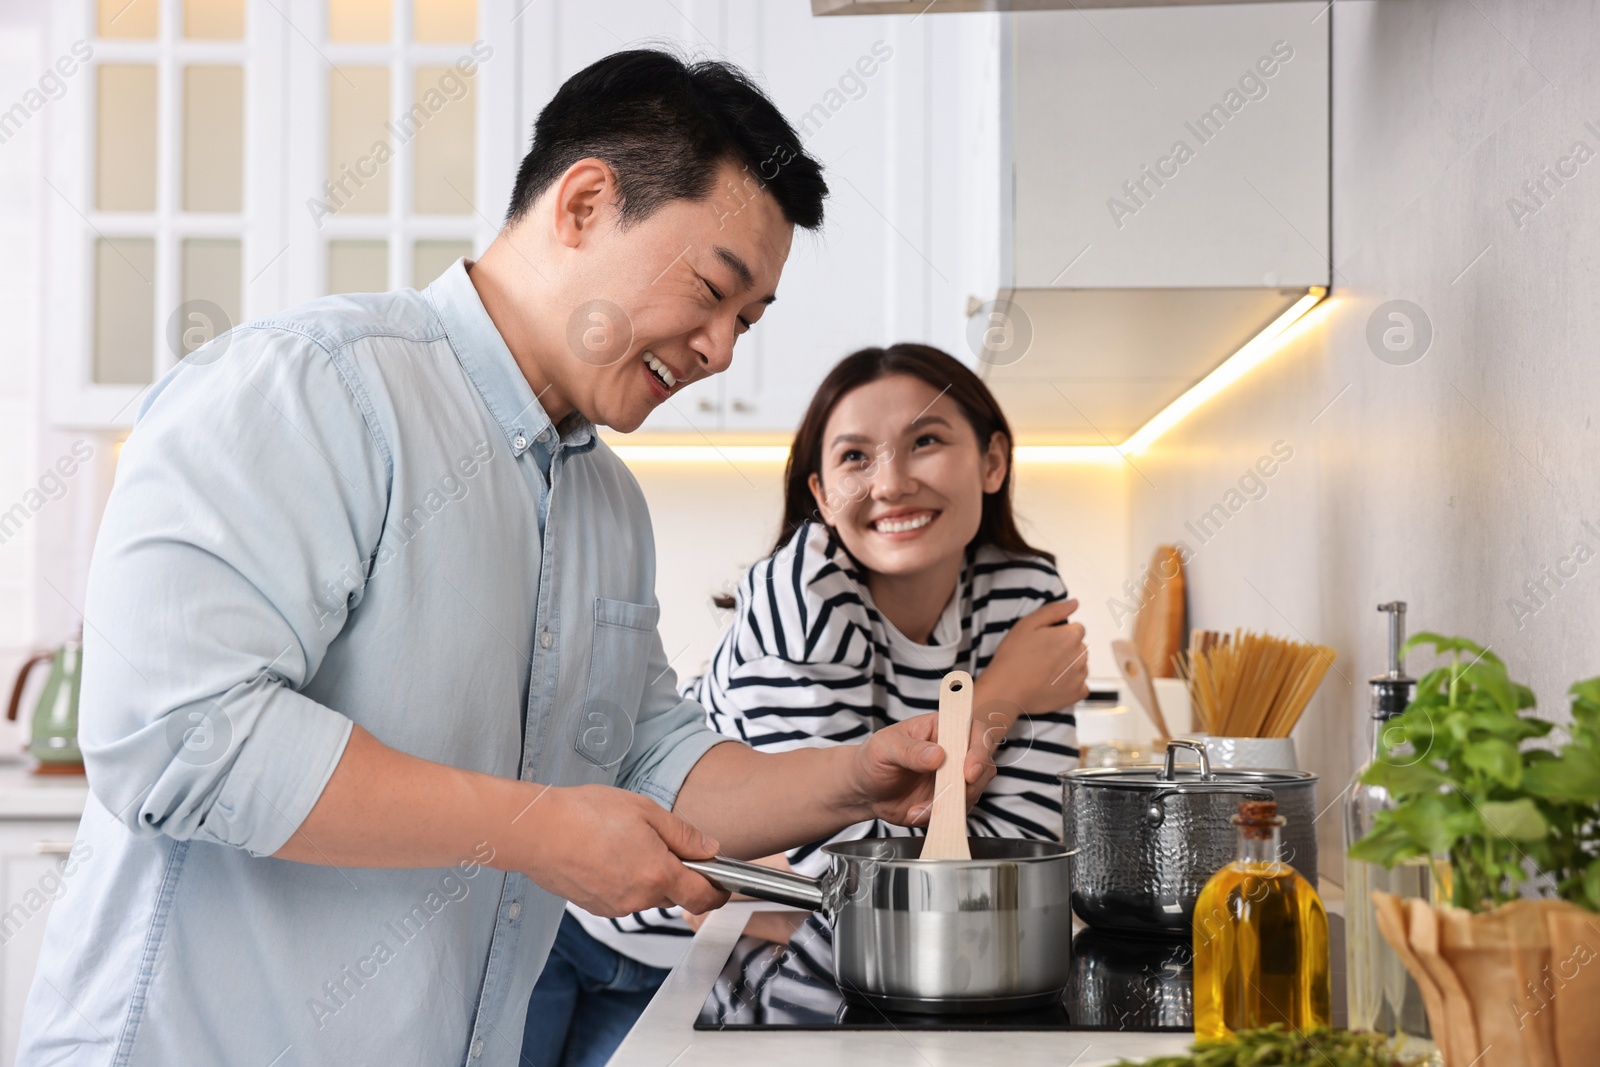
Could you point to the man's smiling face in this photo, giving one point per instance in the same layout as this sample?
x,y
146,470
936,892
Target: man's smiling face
x,y
659,303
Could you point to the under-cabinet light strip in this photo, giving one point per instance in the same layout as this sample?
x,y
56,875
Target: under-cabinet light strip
x,y
1236,366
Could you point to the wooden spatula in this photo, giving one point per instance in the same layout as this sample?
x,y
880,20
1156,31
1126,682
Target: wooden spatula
x,y
1137,675
947,826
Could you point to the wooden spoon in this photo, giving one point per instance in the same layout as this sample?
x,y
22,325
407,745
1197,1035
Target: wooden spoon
x,y
1137,675
947,826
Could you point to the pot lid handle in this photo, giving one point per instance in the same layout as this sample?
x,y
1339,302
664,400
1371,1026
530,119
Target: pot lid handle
x,y
1169,770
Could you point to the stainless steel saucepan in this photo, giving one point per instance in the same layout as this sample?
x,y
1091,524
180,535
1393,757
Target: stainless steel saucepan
x,y
992,933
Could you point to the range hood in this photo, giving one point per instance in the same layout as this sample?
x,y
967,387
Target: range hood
x,y
1148,192
1105,362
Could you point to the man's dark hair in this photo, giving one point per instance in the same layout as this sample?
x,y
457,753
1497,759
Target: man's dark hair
x,y
664,127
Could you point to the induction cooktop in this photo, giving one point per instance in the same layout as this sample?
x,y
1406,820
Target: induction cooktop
x,y
779,976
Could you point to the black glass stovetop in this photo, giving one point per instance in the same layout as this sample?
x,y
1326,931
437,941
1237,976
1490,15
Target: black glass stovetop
x,y
779,976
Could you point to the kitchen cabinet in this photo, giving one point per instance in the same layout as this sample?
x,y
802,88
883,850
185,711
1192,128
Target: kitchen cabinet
x,y
1182,147
37,865
863,92
1028,158
1157,194
204,171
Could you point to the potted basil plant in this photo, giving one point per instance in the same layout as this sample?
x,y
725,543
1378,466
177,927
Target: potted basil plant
x,y
1510,968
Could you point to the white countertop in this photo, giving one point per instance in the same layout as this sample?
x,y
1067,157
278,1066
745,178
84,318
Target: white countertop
x,y
665,1034
25,795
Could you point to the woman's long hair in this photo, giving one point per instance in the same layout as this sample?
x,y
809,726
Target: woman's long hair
x,y
943,372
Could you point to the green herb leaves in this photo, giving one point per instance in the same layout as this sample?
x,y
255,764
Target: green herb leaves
x,y
1464,786
1575,776
1515,820
1497,758
1276,1046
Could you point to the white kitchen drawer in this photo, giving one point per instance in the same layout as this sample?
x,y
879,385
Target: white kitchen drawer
x,y
37,868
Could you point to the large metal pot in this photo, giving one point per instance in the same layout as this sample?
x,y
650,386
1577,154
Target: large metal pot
x,y
992,933
1148,839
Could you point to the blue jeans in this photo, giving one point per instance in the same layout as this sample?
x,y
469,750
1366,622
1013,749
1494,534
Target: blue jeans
x,y
585,1002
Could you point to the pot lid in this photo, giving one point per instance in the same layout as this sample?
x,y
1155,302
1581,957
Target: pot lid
x,y
1188,780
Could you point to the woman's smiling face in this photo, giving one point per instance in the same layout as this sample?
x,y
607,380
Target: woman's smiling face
x,y
903,475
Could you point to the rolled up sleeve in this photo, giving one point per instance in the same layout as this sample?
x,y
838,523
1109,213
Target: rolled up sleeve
x,y
669,737
237,537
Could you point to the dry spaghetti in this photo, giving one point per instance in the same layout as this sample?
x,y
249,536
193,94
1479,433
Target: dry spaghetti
x,y
1251,685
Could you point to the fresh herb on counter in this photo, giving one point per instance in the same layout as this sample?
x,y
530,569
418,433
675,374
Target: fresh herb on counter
x,y
1275,1046
1464,784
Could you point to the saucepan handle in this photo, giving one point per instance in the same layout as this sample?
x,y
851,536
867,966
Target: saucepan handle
x,y
751,879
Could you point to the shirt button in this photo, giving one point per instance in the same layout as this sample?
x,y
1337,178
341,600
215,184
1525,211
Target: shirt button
x,y
519,442
546,433
477,1047
545,640
514,911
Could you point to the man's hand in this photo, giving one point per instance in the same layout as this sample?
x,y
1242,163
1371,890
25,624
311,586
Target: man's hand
x,y
778,862
610,851
892,771
613,852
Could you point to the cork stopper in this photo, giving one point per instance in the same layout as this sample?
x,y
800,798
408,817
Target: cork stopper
x,y
1257,819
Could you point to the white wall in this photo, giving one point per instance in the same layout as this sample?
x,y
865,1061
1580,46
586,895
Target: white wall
x,y
44,564
712,521
1451,481
21,61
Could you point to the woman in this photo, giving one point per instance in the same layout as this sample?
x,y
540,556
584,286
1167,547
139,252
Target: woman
x,y
898,561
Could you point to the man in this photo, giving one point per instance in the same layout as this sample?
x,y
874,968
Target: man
x,y
370,633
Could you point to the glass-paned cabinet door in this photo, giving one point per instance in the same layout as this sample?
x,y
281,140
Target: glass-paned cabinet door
x,y
407,142
160,210
214,161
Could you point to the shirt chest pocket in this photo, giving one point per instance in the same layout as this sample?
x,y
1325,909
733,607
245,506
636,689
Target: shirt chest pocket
x,y
620,655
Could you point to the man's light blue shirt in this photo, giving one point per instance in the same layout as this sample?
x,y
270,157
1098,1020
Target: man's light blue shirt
x,y
333,517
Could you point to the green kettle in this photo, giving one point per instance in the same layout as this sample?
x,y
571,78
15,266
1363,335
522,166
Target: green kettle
x,y
54,740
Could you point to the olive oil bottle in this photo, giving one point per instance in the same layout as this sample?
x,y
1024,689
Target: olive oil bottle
x,y
1260,939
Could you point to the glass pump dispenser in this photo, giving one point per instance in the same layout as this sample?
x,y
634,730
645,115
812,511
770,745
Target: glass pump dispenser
x,y
1382,995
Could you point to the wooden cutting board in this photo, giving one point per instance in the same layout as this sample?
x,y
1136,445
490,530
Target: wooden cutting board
x,y
1159,627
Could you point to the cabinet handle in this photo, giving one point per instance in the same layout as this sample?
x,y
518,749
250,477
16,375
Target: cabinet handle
x,y
53,848
744,407
707,406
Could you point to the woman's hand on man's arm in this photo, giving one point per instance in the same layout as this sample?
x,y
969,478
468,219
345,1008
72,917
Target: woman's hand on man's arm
x,y
1042,665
